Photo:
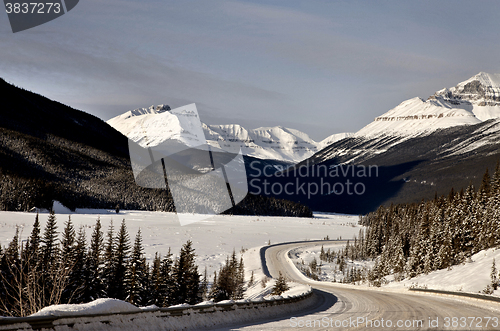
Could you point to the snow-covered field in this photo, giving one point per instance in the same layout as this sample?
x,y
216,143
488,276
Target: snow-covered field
x,y
213,239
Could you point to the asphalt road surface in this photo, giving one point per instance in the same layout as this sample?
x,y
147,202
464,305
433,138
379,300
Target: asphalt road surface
x,y
340,307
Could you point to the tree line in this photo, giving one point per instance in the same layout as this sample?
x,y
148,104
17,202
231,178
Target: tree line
x,y
44,270
412,239
407,240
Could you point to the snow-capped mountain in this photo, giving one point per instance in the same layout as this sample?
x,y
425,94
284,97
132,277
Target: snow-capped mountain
x,y
420,148
470,102
276,143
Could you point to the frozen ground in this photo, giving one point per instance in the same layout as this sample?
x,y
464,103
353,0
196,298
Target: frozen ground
x,y
213,239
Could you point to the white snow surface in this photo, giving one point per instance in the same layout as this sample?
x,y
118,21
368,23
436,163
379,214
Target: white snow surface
x,y
446,108
99,306
472,276
213,239
278,143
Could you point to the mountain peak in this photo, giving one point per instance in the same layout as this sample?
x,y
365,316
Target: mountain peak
x,y
482,89
151,110
472,101
278,142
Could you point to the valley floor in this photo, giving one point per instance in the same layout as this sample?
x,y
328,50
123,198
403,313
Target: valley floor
x,y
213,239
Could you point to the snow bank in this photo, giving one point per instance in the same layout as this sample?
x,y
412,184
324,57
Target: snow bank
x,y
189,318
472,276
99,306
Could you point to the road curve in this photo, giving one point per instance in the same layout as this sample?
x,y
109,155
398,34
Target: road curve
x,y
344,307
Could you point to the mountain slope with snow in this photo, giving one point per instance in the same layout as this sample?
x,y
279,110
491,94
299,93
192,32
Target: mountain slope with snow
x,y
419,148
470,102
151,126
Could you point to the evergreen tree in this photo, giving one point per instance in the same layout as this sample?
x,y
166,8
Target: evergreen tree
x,y
68,243
50,260
32,250
186,276
118,284
252,280
155,282
95,288
167,285
493,276
10,302
108,270
68,259
137,278
50,247
78,277
280,286
240,281
204,285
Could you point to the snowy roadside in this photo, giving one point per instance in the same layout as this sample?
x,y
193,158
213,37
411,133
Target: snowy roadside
x,y
472,276
260,291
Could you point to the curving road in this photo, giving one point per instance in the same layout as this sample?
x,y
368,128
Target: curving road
x,y
344,307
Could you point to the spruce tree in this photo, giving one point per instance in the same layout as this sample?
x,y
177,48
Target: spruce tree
x,y
68,251
11,280
78,277
50,260
252,279
204,285
240,281
280,286
493,276
167,288
118,282
94,265
186,276
137,274
50,247
108,270
156,282
32,250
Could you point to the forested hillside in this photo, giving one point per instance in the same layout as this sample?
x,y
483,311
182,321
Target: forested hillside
x,y
49,151
411,239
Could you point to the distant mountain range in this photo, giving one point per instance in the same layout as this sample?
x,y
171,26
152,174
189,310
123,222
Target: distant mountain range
x,y
421,148
151,126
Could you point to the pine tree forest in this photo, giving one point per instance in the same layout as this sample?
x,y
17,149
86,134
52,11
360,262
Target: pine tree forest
x,y
406,240
53,267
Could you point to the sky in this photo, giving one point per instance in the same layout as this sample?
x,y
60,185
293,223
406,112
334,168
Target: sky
x,y
322,67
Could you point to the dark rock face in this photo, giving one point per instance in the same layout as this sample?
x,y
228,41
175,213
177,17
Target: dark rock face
x,y
474,87
162,108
